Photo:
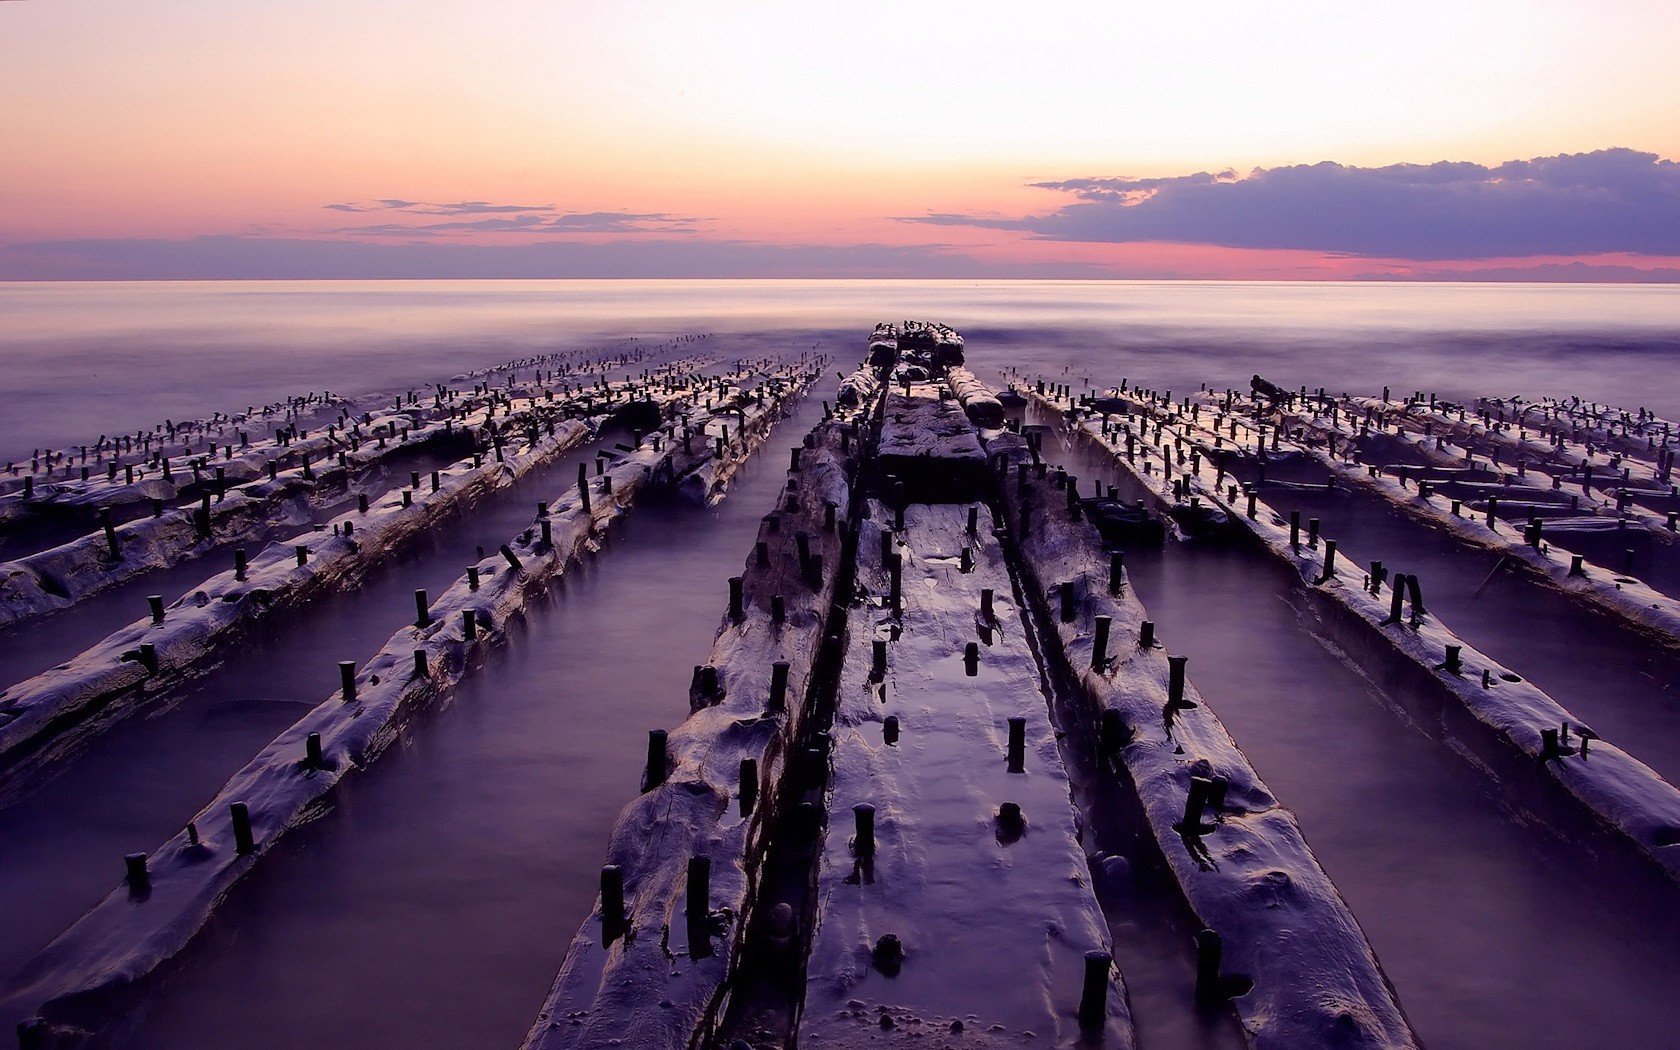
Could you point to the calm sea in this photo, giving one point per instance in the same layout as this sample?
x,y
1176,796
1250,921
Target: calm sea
x,y
81,359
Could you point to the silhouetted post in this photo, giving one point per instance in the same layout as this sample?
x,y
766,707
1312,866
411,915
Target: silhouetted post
x,y
1016,760
1099,644
135,873
612,902
864,841
243,840
699,887
655,775
1397,598
1093,995
1210,952
110,533
748,785
1175,681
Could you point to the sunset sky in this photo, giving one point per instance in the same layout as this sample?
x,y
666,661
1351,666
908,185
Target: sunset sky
x,y
366,138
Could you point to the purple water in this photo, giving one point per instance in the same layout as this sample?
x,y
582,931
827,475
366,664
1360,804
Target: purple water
x,y
1493,930
85,359
449,884
433,905
141,780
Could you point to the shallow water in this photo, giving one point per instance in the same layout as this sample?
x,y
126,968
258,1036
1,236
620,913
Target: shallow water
x,y
33,645
142,779
447,884
1460,895
1492,932
433,904
90,358
1625,687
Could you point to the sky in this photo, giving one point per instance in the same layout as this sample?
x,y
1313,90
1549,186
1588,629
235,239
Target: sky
x,y
1475,139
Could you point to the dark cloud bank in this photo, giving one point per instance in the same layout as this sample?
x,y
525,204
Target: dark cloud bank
x,y
1616,200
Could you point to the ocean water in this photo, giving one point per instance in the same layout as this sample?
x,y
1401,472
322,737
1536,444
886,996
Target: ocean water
x,y
81,359
434,903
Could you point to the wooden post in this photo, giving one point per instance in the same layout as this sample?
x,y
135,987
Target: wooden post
x,y
243,840
1093,995
863,843
748,785
1099,644
656,760
778,685
699,887
612,903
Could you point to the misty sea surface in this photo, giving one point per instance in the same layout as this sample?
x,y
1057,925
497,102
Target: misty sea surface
x,y
433,902
81,359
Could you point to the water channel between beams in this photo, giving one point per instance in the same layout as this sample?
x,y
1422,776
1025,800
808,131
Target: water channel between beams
x,y
130,787
1626,688
31,646
1492,931
434,904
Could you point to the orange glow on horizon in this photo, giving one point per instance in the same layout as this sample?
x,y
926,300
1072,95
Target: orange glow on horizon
x,y
776,125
